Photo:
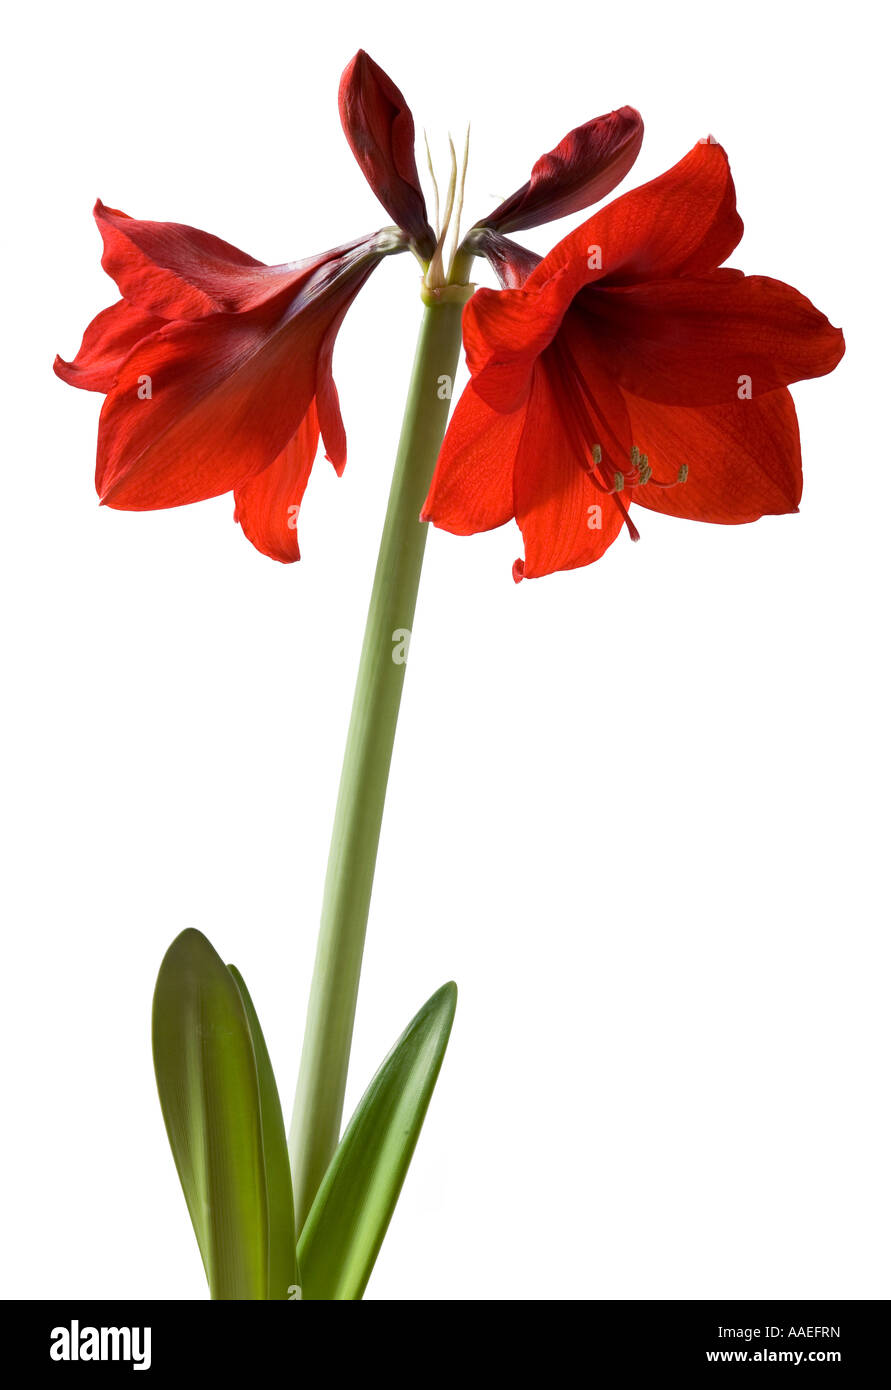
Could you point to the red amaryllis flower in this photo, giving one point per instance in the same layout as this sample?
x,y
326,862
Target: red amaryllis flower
x,y
629,368
217,370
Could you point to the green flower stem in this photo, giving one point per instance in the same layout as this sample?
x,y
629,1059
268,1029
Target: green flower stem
x,y
318,1104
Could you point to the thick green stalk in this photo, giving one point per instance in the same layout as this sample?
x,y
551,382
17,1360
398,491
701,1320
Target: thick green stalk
x,y
318,1104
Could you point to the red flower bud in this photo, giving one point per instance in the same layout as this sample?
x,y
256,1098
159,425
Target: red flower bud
x,y
381,134
587,164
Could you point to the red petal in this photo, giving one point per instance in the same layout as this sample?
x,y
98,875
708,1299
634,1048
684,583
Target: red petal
x,y
381,134
328,403
744,459
227,393
267,506
703,341
587,165
557,506
512,263
683,223
505,331
472,488
110,337
178,272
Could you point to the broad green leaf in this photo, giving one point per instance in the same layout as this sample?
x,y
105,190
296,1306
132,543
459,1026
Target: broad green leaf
x,y
350,1215
279,1193
207,1082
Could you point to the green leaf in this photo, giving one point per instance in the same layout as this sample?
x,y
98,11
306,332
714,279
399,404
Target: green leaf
x,y
279,1192
351,1212
207,1082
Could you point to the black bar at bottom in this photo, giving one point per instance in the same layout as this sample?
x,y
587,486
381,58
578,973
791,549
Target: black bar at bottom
x,y
403,1341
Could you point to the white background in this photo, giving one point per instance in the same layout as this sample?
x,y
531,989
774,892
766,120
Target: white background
x,y
637,811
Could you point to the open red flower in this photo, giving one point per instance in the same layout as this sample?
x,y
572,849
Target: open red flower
x,y
217,370
628,369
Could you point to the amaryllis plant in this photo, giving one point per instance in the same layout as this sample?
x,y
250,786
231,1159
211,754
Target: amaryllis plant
x,y
628,368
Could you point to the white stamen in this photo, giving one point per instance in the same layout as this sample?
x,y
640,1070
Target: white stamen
x,y
435,184
459,201
436,276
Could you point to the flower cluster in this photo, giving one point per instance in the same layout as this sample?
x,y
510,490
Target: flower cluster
x,y
627,367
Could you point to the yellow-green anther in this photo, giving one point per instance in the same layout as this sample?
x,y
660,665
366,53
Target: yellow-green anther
x,y
635,455
597,454
619,481
683,473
